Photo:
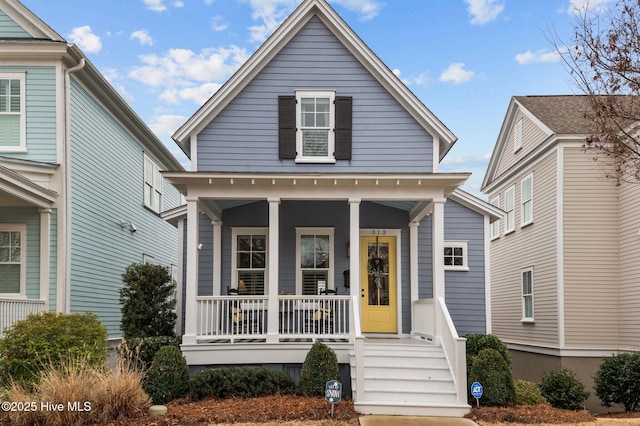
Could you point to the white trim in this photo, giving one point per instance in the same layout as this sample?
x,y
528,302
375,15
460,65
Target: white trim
x,y
527,319
217,257
22,229
414,277
194,152
22,78
316,94
554,351
495,226
560,243
45,255
487,276
456,244
524,223
235,231
329,231
507,228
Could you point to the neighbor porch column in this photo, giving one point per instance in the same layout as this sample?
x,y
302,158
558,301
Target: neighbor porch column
x,y
45,254
273,256
217,257
354,253
438,247
190,320
413,268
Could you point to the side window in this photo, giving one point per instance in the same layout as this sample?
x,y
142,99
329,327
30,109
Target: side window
x,y
509,207
152,185
455,256
12,112
527,294
249,260
527,200
12,259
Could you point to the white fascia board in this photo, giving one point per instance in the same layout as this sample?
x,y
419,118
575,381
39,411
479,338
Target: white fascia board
x,y
15,184
29,21
476,204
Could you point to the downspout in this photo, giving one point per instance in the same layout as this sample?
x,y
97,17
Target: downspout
x,y
63,299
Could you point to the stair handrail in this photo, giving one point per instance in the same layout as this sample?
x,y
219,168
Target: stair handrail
x,y
358,347
454,348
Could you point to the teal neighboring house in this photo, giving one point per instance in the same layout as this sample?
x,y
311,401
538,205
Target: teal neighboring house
x,y
80,186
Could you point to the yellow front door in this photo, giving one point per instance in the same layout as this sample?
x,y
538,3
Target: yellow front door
x,y
378,284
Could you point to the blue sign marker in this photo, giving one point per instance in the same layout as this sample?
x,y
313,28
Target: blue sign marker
x,y
477,391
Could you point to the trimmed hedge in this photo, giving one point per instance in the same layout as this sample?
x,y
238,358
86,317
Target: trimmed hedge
x,y
477,342
491,369
563,389
617,381
168,377
244,382
320,365
528,393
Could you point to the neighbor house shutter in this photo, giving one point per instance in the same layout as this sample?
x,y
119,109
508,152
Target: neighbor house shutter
x,y
343,127
287,127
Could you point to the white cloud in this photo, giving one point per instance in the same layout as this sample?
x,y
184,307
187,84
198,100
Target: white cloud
x,y
540,56
199,94
456,74
143,37
166,125
271,13
484,11
85,39
367,9
209,2
420,80
177,3
580,6
155,5
218,24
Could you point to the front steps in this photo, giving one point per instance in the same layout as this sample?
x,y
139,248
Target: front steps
x,y
405,377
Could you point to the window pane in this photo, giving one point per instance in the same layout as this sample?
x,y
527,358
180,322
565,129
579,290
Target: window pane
x,y
5,87
528,307
315,143
244,242
322,260
5,254
308,120
448,251
9,278
457,261
313,282
5,237
244,260
457,251
258,260
9,130
308,105
15,254
253,282
258,243
322,105
448,261
322,120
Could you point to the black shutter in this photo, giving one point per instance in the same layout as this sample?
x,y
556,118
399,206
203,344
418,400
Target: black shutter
x,y
343,127
287,127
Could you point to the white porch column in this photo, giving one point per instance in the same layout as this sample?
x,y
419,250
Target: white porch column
x,y
217,257
354,250
190,320
45,254
413,268
437,221
274,259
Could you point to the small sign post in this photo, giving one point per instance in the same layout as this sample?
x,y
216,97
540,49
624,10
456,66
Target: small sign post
x,y
476,392
333,393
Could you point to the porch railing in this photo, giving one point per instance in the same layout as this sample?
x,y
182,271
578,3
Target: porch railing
x,y
12,310
241,317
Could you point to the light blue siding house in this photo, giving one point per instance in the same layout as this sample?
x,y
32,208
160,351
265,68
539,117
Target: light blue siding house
x,y
316,211
80,185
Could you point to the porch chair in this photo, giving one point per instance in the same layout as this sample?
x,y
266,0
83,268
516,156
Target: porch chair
x,y
242,322
322,319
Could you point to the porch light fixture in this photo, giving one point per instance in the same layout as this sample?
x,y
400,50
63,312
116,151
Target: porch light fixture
x,y
130,225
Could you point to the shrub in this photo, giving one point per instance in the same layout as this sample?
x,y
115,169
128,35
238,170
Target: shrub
x,y
528,393
147,301
168,377
563,389
50,339
245,382
320,365
492,371
617,381
477,342
145,348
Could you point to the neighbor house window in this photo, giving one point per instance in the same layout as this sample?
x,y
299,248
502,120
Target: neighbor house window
x,y
315,136
148,259
314,256
495,226
455,256
12,259
152,185
12,114
509,208
250,260
526,197
517,136
527,294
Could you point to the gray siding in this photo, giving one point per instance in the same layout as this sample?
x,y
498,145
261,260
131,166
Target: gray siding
x,y
31,218
244,137
41,113
107,188
9,28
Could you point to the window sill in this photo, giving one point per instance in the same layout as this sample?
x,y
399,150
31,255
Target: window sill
x,y
524,225
316,160
13,149
528,321
459,269
511,231
497,237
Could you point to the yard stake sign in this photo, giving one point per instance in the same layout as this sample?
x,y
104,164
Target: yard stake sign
x,y
333,393
476,392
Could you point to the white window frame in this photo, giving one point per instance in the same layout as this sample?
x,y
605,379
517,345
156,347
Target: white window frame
x,y
330,271
526,296
526,204
22,229
331,95
453,245
154,181
495,225
510,209
148,259
22,145
234,255
517,136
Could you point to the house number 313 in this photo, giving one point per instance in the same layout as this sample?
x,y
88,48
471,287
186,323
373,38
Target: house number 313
x,y
378,232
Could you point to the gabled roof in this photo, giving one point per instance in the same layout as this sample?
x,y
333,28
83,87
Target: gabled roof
x,y
29,21
287,30
557,116
476,204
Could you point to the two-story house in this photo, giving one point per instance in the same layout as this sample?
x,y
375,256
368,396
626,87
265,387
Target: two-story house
x,y
80,185
564,260
316,211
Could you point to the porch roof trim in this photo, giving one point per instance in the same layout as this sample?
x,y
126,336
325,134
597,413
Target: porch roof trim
x,y
19,186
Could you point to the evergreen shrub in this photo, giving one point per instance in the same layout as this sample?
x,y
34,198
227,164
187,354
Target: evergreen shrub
x,y
320,365
528,393
617,381
243,382
168,377
563,389
492,371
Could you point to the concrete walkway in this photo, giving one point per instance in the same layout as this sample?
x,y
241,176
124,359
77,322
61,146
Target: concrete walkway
x,y
373,420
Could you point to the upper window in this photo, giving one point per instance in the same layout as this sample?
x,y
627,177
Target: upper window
x,y
527,294
314,260
517,136
495,226
455,256
315,137
152,185
250,260
509,208
526,196
12,259
12,116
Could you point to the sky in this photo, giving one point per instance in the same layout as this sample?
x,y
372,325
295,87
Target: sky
x,y
464,59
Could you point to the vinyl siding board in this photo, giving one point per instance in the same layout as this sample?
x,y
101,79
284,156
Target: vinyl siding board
x,y
107,188
629,272
532,136
10,29
244,137
30,217
590,253
40,86
534,245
